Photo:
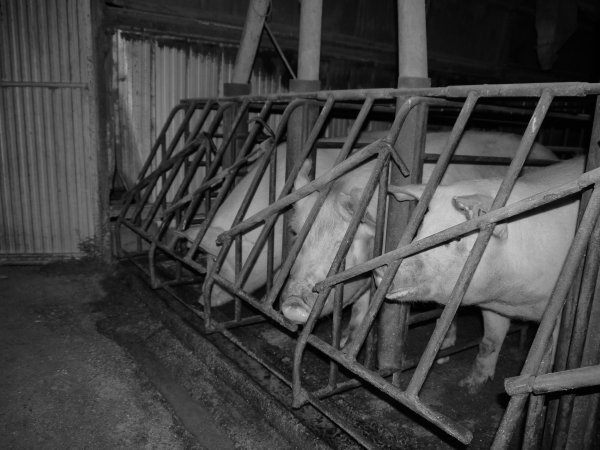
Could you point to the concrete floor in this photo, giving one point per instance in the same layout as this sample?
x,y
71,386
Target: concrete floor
x,y
66,383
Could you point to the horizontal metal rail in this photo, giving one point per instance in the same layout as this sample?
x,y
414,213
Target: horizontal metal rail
x,y
514,410
498,215
566,89
182,209
553,382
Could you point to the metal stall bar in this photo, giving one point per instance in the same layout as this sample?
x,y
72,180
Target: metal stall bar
x,y
196,141
513,412
479,247
488,219
411,228
164,166
306,150
202,157
558,417
553,382
166,157
352,348
506,212
236,288
196,196
504,190
301,237
248,144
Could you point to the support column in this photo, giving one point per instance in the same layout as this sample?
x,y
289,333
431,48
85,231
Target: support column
x,y
301,121
412,57
253,28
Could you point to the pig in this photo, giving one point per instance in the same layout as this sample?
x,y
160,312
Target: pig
x,y
226,213
320,247
519,267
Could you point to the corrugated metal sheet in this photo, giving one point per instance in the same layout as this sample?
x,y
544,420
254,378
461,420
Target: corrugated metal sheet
x,y
48,167
151,75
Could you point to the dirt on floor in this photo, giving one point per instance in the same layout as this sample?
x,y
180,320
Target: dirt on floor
x,y
83,367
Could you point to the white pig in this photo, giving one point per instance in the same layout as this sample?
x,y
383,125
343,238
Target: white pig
x,y
519,267
320,247
226,213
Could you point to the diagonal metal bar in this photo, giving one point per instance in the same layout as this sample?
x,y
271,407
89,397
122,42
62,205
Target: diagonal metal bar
x,y
287,187
221,257
224,190
456,430
348,358
213,166
498,215
464,279
513,412
353,347
168,160
159,141
301,237
337,171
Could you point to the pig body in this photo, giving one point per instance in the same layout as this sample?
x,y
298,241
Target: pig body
x,y
519,267
320,247
225,216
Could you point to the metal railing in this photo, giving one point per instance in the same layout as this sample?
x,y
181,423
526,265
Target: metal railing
x,y
180,212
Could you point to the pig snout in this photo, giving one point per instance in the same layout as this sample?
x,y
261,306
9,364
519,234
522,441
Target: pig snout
x,y
407,282
295,309
298,302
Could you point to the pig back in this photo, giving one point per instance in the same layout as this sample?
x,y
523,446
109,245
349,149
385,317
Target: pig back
x,y
479,143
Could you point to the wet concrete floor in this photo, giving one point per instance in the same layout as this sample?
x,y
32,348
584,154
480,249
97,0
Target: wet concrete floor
x,y
85,365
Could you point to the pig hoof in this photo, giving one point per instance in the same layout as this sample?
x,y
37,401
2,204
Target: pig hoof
x,y
472,383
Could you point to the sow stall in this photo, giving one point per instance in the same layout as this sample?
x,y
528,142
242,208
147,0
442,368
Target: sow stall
x,y
184,182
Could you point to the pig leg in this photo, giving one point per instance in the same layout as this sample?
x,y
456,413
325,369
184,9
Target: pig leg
x,y
495,328
359,309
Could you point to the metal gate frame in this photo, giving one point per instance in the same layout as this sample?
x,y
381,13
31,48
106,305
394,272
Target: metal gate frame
x,y
192,147
384,151
141,211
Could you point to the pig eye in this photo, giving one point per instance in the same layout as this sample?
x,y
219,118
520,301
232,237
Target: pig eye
x,y
447,244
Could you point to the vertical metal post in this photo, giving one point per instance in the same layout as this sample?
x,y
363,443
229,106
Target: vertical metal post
x,y
302,119
412,61
241,132
584,408
253,28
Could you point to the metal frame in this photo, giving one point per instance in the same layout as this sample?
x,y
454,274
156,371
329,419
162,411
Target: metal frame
x,y
384,151
363,101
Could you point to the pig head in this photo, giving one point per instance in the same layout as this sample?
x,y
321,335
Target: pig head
x,y
322,243
519,267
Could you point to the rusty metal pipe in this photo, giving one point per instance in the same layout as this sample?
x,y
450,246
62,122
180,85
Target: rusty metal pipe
x,y
513,412
527,90
464,279
230,179
269,223
413,224
300,238
253,27
506,212
214,165
337,171
457,431
553,382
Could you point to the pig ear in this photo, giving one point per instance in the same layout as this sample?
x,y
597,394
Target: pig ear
x,y
302,177
476,205
407,193
348,204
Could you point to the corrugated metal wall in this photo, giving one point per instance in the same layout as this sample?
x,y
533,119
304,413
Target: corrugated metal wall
x,y
48,139
151,75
